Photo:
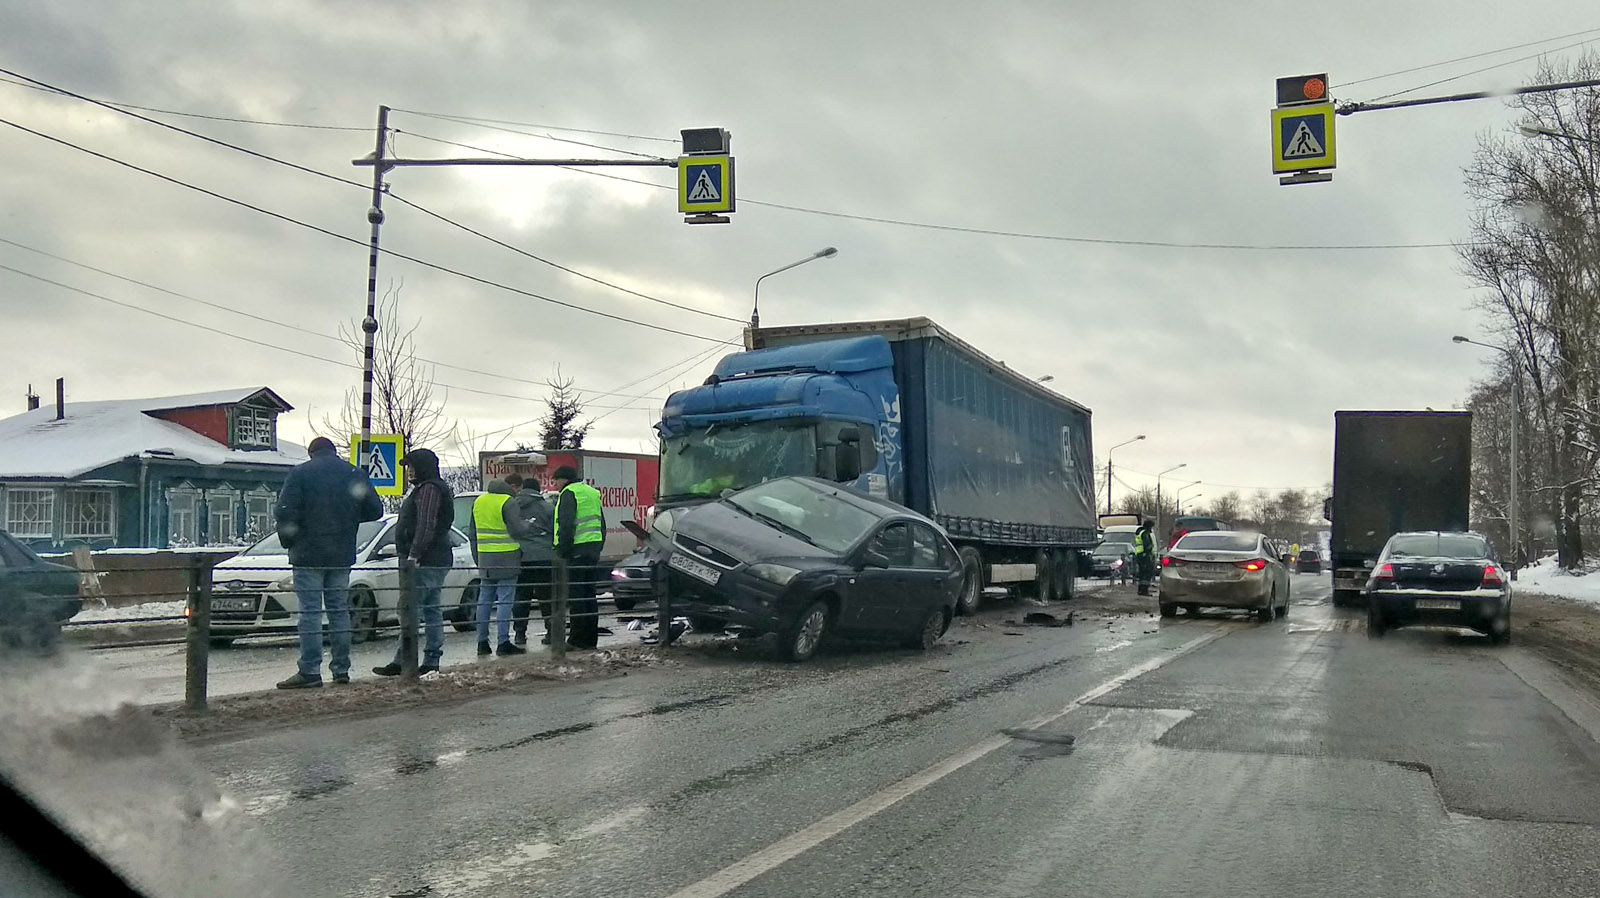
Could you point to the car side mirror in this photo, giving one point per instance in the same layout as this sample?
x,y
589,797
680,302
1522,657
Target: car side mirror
x,y
873,558
389,551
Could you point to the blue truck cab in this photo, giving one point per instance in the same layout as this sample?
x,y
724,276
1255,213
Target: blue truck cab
x,y
905,411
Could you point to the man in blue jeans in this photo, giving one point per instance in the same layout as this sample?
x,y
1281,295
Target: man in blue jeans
x,y
494,530
422,540
322,504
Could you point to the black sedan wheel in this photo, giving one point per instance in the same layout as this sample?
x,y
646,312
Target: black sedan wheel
x,y
804,636
934,624
1375,624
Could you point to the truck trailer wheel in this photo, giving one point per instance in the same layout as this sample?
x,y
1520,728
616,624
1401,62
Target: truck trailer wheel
x,y
1044,576
1066,573
971,581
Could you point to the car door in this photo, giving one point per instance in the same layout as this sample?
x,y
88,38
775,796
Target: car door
x,y
880,591
929,579
380,569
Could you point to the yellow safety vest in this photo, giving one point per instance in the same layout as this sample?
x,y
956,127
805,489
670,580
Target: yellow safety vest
x,y
1139,544
589,524
489,520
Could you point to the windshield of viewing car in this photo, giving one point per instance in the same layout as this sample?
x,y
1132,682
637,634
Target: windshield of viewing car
x,y
703,463
823,519
1217,542
1446,545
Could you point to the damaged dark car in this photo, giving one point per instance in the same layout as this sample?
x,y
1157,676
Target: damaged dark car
x,y
804,559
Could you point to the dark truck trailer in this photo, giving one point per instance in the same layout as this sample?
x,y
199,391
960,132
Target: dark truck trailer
x,y
1392,472
1001,462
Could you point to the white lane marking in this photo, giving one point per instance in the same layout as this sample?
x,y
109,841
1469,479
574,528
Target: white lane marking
x,y
740,872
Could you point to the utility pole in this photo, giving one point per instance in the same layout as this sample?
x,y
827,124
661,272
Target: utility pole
x,y
369,324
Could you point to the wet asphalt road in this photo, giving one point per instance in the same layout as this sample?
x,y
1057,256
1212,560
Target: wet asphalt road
x,y
1212,756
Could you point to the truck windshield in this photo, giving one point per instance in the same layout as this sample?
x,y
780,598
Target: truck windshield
x,y
703,463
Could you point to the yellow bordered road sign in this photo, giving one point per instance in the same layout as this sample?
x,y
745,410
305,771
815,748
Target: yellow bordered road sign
x,y
384,468
705,184
1302,138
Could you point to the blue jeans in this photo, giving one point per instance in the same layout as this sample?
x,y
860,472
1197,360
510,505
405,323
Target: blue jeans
x,y
429,581
320,589
504,592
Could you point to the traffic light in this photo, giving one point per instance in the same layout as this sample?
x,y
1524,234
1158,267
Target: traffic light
x,y
1303,89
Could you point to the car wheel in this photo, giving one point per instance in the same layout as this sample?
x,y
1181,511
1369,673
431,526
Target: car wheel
x,y
221,642
971,581
625,603
466,616
1264,615
1500,630
1192,610
705,624
934,623
1168,610
1375,625
801,640
363,615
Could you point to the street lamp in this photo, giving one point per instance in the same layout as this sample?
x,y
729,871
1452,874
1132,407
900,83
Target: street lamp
x,y
1191,499
755,311
1516,418
1108,467
1542,131
1045,379
1158,492
1178,497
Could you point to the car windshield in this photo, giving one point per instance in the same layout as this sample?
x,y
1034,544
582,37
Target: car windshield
x,y
1111,549
1217,542
812,511
1440,545
1122,537
272,545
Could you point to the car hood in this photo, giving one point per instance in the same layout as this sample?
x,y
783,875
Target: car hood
x,y
744,538
242,566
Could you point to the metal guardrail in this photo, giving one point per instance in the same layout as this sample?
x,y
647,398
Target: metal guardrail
x,y
197,616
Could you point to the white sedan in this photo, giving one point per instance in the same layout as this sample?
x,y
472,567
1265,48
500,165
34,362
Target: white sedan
x,y
253,592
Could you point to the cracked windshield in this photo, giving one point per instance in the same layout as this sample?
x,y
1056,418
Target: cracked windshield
x,y
893,449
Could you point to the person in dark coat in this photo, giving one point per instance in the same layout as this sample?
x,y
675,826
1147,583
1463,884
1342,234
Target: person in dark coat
x,y
322,504
422,540
533,583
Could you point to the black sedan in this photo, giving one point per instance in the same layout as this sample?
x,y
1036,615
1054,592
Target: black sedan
x,y
1442,579
1309,562
804,558
35,596
1114,561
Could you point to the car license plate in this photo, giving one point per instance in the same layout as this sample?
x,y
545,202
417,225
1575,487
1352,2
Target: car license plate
x,y
695,569
233,604
1438,605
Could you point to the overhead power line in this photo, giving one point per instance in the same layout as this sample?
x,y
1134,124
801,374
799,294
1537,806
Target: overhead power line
x,y
1498,65
1434,65
566,140
362,243
283,324
200,115
477,120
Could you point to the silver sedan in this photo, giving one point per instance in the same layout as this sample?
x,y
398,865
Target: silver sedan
x,y
1224,568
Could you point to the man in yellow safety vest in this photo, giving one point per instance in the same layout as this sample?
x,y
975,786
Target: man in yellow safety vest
x,y
494,534
580,534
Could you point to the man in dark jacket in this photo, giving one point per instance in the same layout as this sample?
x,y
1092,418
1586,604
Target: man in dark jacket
x,y
322,503
422,540
533,583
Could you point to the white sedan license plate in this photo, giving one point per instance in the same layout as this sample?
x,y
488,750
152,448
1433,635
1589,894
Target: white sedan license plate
x,y
1438,605
233,604
695,569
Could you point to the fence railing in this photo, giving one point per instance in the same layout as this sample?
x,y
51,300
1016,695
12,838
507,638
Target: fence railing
x,y
253,610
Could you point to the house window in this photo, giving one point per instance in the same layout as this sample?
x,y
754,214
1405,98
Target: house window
x,y
259,504
183,516
30,514
88,514
220,511
253,427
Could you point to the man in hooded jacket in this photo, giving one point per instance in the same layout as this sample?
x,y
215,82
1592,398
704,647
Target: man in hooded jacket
x,y
422,540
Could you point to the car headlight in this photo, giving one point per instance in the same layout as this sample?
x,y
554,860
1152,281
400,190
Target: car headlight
x,y
778,574
286,584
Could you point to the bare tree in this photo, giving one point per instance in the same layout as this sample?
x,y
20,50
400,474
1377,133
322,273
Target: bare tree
x,y
559,428
405,397
1535,251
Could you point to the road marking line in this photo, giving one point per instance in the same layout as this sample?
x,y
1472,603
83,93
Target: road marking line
x,y
740,872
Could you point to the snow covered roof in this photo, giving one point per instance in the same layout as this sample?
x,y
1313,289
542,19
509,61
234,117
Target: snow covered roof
x,y
95,434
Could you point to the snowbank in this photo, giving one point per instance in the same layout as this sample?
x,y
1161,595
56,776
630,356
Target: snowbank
x,y
91,614
1546,578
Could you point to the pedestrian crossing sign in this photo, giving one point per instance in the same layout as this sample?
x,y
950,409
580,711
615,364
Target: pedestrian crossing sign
x,y
1302,138
384,467
705,184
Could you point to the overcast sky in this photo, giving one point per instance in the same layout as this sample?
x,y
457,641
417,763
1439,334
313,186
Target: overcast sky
x,y
1140,121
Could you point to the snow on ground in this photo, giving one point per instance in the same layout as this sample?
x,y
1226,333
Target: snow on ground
x,y
93,613
1546,578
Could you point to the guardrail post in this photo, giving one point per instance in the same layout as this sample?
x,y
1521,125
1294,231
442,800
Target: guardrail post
x,y
408,622
663,593
198,653
558,614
